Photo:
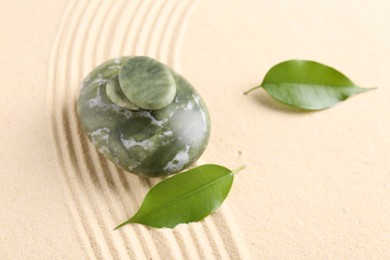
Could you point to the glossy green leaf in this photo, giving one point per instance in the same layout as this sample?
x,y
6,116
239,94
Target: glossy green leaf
x,y
308,85
186,197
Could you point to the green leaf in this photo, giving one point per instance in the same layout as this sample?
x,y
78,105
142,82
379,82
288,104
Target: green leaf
x,y
308,85
186,197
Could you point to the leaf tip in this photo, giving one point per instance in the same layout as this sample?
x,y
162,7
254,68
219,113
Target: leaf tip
x,y
364,90
123,224
119,226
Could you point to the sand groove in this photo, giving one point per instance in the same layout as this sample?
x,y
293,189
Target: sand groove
x,y
95,215
86,236
98,194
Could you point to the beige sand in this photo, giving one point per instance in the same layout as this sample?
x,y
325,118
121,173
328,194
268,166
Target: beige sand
x,y
317,185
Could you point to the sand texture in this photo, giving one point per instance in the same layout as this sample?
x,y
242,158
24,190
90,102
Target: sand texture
x,y
316,185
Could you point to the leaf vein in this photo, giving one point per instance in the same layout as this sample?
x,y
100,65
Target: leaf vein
x,y
185,196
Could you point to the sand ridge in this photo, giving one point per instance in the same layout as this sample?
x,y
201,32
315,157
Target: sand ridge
x,y
315,185
99,195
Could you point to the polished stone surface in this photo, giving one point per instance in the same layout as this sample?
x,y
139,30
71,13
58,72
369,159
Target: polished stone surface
x,y
116,95
147,83
146,142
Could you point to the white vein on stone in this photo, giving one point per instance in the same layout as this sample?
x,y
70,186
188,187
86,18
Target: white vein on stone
x,y
178,162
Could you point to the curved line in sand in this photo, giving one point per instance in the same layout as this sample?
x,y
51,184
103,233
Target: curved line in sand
x,y
120,244
85,158
134,238
208,230
72,203
141,37
96,213
231,243
94,236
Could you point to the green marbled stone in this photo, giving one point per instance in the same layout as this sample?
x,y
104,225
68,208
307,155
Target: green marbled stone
x,y
147,83
115,94
147,143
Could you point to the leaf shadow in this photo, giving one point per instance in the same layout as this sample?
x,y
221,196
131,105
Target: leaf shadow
x,y
261,96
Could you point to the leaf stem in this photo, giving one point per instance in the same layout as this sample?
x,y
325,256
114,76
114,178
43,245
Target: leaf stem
x,y
250,90
238,169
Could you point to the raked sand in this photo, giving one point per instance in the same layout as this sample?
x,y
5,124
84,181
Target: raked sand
x,y
316,186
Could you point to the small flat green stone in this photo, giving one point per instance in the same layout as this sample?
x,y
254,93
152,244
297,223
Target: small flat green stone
x,y
115,94
147,83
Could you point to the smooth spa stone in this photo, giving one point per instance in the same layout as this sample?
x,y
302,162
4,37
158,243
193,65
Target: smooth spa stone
x,y
116,95
147,83
148,143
